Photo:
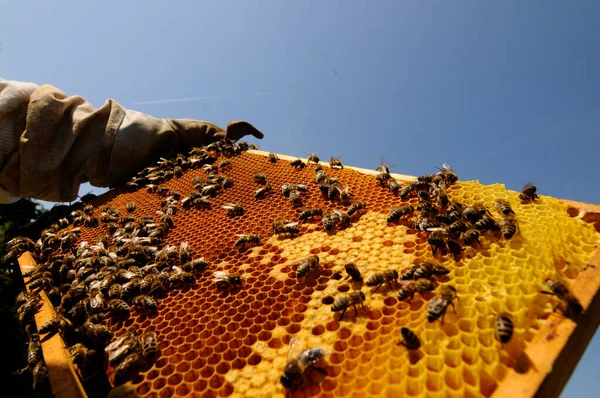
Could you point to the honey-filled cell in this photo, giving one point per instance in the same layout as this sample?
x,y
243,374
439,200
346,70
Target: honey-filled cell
x,y
216,338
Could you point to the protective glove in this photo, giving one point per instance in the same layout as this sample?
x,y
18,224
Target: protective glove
x,y
196,133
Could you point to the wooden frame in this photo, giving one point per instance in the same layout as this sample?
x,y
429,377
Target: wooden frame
x,y
554,352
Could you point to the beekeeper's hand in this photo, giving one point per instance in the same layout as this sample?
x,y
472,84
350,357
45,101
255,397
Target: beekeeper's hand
x,y
50,142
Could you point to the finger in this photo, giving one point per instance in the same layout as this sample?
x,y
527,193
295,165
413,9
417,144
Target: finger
x,y
239,128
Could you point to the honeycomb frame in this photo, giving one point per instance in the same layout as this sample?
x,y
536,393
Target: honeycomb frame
x,y
556,336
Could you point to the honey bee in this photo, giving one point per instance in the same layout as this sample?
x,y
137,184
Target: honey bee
x,y
571,307
261,192
121,347
345,195
398,213
305,214
329,221
487,224
405,191
409,289
145,303
381,278
224,164
528,193
127,369
260,178
383,168
342,303
320,174
295,198
178,171
82,356
286,227
333,191
306,265
298,164
54,325
353,272
98,334
313,158
343,218
504,207
423,196
118,308
226,281
150,347
410,339
508,228
300,361
273,158
234,209
442,197
108,218
503,328
471,236
438,305
40,377
287,188
335,163
130,206
88,209
454,247
356,207
457,227
210,190
195,265
475,212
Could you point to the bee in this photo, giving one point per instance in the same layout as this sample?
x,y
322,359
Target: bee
x,y
442,197
306,265
119,308
398,213
287,188
335,163
438,269
226,281
356,207
224,164
474,213
286,227
438,305
508,228
329,220
342,303
313,158
210,190
423,196
234,209
381,278
503,328
150,347
227,182
471,236
528,193
128,368
503,207
571,306
40,377
261,192
273,158
343,218
130,206
298,164
295,198
98,334
345,195
486,224
115,291
201,203
178,171
299,361
145,303
457,227
195,265
54,325
305,214
454,247
392,184
383,168
353,272
260,178
82,356
410,339
320,174
405,191
121,347
108,218
88,209
185,252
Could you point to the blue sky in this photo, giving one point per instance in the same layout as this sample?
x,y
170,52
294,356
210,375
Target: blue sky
x,y
504,92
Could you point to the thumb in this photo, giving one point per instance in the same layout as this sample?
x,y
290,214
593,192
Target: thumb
x,y
239,128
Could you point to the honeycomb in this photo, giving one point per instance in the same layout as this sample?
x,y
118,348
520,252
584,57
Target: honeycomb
x,y
217,343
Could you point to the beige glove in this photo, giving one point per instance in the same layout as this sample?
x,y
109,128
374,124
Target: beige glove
x,y
58,142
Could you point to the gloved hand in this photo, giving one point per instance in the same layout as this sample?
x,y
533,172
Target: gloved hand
x,y
196,133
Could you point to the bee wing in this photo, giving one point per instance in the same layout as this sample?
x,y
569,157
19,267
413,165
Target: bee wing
x,y
295,348
435,229
528,185
220,276
291,224
117,343
228,206
241,235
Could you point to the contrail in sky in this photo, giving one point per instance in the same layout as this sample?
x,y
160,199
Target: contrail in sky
x,y
204,98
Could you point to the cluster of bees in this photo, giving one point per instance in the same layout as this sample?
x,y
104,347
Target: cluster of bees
x,y
131,267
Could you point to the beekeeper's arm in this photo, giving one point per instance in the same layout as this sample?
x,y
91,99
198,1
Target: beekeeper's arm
x,y
50,142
